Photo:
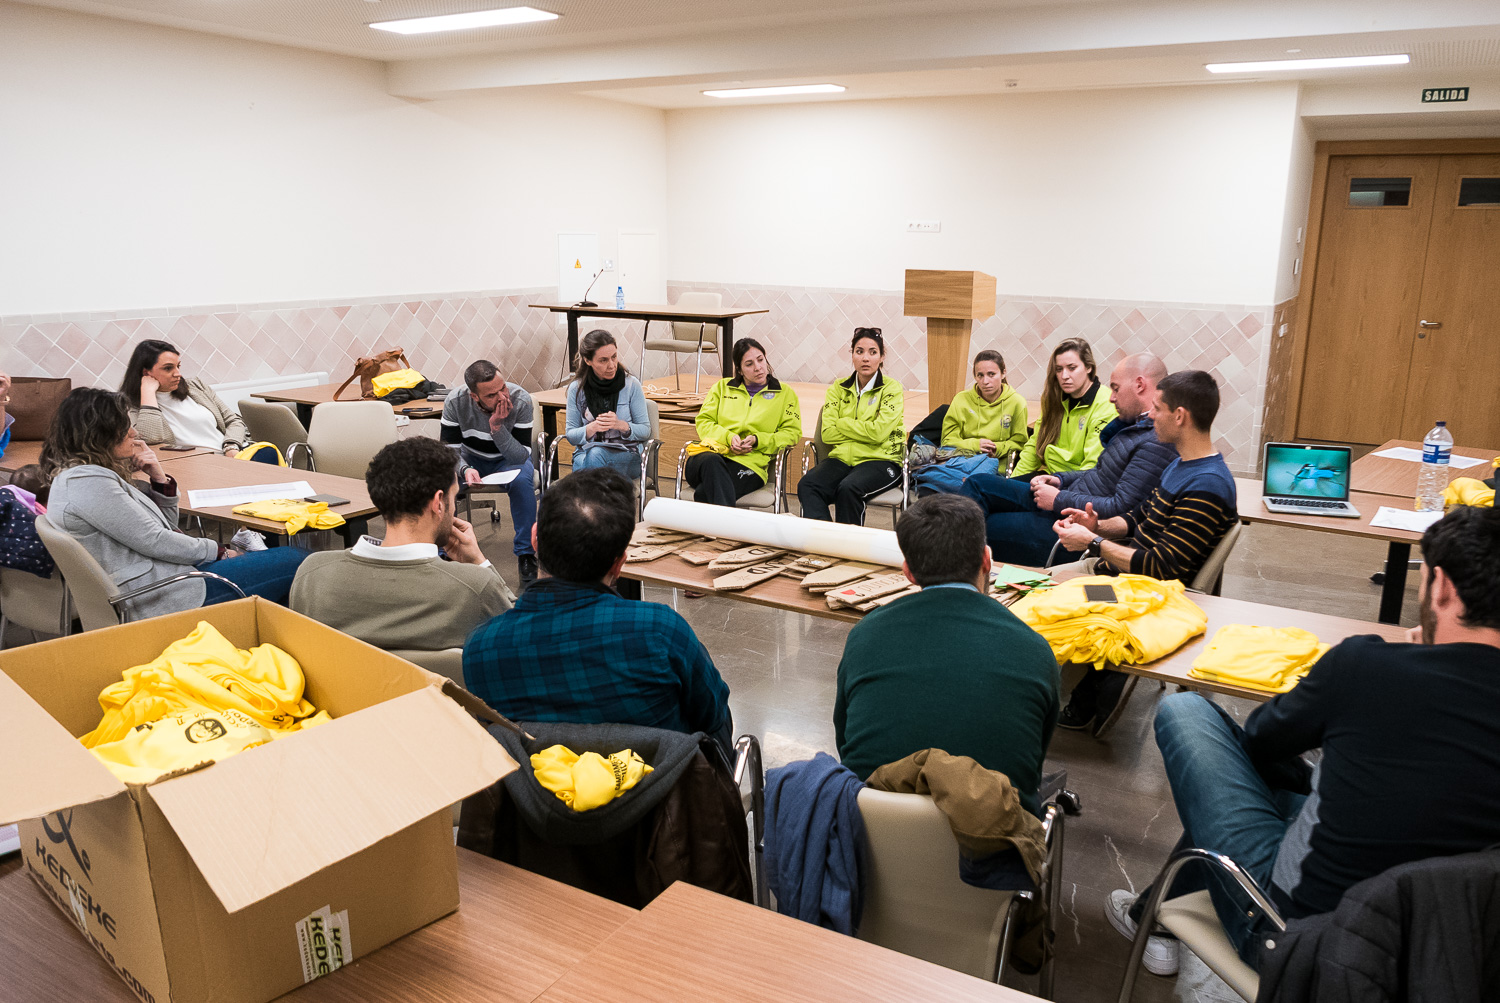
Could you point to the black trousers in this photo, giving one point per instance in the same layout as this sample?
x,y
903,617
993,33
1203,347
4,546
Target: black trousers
x,y
846,488
718,480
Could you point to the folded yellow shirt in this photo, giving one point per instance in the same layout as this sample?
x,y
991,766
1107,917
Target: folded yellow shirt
x,y
296,514
1151,620
1468,491
204,672
590,780
1264,658
178,741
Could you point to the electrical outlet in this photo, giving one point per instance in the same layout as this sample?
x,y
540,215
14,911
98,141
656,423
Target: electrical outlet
x,y
923,226
609,264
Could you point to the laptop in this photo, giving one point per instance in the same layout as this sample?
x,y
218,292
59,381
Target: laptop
x,y
1307,480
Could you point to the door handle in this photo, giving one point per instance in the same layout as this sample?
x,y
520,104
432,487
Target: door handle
x,y
1430,324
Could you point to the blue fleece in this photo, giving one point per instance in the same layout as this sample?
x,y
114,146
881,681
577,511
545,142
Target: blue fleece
x,y
815,842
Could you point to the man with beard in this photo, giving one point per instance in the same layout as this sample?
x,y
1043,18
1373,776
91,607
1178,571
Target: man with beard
x,y
1410,769
402,592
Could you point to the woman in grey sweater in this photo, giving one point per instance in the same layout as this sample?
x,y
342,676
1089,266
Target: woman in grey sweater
x,y
89,457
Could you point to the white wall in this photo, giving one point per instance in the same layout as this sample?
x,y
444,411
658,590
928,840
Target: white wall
x,y
145,167
1165,195
1294,220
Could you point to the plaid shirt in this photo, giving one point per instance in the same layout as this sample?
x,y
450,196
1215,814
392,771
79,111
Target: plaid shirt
x,y
584,655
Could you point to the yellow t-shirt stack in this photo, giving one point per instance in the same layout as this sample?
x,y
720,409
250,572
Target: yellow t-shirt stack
x,y
1151,620
1273,659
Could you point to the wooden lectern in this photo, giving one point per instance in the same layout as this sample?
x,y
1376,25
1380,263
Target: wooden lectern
x,y
951,302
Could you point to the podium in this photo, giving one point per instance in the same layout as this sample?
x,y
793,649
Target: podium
x,y
951,302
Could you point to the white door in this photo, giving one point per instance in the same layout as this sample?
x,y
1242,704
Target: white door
x,y
577,262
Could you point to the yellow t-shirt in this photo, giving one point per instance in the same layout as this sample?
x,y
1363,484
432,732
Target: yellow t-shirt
x,y
297,515
1151,620
1264,658
590,780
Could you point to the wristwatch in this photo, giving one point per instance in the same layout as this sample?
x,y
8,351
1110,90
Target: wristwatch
x,y
1093,547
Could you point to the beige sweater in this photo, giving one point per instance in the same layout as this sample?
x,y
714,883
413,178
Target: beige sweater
x,y
149,421
425,604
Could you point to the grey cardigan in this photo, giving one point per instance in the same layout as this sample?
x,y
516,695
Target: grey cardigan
x,y
152,424
132,533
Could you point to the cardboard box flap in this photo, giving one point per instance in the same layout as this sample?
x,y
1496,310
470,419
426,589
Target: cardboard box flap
x,y
271,816
47,769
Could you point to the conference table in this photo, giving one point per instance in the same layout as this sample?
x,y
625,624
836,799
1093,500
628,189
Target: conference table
x,y
724,319
28,451
307,398
1382,475
213,470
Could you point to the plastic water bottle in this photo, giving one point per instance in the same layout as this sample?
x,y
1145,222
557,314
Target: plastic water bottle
x,y
1437,447
620,305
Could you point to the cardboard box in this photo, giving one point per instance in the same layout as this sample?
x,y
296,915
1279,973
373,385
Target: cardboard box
x,y
240,881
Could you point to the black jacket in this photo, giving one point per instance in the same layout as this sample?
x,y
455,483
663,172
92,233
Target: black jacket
x,y
1423,931
1130,466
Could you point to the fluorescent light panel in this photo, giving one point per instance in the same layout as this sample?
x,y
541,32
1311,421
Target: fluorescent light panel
x,y
458,22
1331,63
760,92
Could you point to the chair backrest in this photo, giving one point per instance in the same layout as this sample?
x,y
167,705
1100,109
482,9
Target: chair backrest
x,y
346,435
1211,574
275,423
39,604
691,331
653,415
820,448
915,901
444,661
88,583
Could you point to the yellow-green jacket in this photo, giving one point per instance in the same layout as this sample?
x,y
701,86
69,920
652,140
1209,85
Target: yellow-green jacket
x,y
870,429
773,417
1077,446
971,418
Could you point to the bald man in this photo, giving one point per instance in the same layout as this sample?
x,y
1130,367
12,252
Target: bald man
x,y
1019,512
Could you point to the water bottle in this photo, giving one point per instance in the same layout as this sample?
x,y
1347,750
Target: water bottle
x,y
620,305
1433,480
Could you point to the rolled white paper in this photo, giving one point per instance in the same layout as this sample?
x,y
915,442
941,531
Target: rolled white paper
x,y
811,536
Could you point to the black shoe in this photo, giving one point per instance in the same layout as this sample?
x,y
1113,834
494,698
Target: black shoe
x,y
1111,686
1073,720
526,565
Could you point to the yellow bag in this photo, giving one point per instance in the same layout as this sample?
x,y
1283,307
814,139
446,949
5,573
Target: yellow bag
x,y
401,379
261,452
694,448
590,780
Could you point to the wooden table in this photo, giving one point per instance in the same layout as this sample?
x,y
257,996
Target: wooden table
x,y
691,944
307,398
196,473
650,311
780,592
514,935
1381,475
19,454
1398,550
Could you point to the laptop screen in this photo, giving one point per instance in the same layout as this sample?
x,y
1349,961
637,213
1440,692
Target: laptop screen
x,y
1297,471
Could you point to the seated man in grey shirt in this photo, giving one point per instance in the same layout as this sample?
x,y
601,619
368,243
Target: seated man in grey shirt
x,y
489,422
401,593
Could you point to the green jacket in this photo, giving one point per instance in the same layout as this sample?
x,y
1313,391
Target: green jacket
x,y
874,429
971,418
1077,446
773,417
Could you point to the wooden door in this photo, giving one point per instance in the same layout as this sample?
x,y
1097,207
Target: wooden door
x,y
1366,294
1455,368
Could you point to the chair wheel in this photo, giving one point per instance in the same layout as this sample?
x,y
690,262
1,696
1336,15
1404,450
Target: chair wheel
x,y
494,515
1069,802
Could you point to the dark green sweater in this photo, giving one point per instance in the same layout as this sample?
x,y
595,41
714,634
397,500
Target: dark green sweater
x,y
947,669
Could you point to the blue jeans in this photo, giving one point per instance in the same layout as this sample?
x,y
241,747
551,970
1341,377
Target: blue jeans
x,y
626,461
1225,806
1017,530
265,573
522,493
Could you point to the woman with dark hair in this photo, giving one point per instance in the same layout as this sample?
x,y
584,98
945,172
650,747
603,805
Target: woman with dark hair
x,y
1074,412
169,409
744,421
89,458
607,418
983,426
863,424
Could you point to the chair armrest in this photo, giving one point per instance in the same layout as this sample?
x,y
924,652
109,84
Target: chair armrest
x,y
809,455
133,593
681,463
551,459
291,451
649,449
777,478
747,759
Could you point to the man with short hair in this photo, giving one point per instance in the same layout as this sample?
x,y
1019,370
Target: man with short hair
x,y
1020,512
950,667
489,422
573,650
400,592
1168,536
1410,766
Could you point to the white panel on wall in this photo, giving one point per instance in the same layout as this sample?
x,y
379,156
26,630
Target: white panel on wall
x,y
577,265
640,267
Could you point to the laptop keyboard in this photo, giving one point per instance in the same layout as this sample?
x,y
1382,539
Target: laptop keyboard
x,y
1310,502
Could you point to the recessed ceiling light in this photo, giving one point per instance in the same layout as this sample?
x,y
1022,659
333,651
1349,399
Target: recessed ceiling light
x,y
458,22
1334,62
760,92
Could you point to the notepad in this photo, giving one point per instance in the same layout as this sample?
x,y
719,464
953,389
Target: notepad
x,y
1007,575
500,477
1415,456
1401,518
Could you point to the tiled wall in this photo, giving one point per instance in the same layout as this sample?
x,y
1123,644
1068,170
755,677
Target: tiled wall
x,y
806,332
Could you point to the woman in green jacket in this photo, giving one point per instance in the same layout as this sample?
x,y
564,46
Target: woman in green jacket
x,y
863,426
986,423
1074,412
743,422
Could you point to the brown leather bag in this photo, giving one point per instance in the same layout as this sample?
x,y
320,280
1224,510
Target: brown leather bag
x,y
368,368
33,402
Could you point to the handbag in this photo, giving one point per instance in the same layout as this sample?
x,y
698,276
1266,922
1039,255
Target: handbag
x,y
366,369
33,402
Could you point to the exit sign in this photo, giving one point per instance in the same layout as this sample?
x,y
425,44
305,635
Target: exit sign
x,y
1433,95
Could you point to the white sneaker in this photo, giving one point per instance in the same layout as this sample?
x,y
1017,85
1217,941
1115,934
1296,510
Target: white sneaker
x,y
1161,952
247,540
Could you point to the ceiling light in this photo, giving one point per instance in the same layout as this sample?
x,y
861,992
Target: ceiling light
x,y
1308,64
760,92
458,22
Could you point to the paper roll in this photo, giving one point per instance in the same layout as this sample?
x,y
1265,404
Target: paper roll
x,y
808,536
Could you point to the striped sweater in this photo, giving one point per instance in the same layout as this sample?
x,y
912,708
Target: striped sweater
x,y
1183,519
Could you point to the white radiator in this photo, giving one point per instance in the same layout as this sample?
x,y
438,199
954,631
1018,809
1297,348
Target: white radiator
x,y
233,393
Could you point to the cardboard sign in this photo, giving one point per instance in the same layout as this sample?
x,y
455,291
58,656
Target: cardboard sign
x,y
746,577
744,557
910,590
832,578
864,591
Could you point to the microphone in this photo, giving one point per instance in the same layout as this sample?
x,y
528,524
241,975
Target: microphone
x,y
586,301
